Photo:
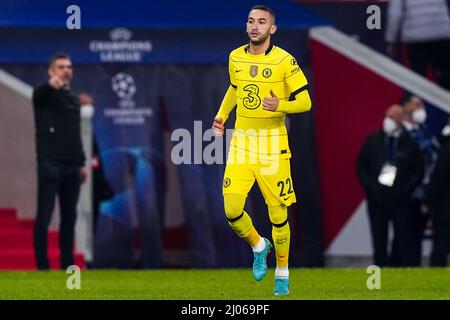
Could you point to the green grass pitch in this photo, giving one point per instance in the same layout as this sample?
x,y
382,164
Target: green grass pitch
x,y
233,284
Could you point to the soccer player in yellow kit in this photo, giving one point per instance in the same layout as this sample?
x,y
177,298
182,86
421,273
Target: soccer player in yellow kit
x,y
266,84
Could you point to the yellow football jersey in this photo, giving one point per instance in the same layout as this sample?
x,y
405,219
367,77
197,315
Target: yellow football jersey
x,y
254,76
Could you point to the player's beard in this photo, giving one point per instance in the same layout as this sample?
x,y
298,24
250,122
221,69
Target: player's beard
x,y
261,40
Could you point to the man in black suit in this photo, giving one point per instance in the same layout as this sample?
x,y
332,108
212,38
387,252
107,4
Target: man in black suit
x,y
60,159
390,167
439,200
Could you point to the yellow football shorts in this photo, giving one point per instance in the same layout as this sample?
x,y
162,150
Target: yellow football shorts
x,y
273,177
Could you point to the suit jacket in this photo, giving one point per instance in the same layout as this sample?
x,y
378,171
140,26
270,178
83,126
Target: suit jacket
x,y
409,163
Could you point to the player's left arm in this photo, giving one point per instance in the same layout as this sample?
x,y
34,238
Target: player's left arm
x,y
295,80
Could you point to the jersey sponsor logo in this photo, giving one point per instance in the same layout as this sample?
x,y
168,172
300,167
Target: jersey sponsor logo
x,y
226,182
252,100
253,71
267,73
295,70
281,241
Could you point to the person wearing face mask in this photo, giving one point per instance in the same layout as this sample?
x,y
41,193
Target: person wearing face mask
x,y
414,123
86,105
438,199
390,167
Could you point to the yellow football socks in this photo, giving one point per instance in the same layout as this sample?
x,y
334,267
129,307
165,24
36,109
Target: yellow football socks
x,y
281,234
239,220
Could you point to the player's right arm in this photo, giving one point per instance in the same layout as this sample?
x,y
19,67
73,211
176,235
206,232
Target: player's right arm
x,y
228,102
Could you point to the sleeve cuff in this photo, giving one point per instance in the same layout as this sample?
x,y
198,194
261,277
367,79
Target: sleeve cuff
x,y
296,92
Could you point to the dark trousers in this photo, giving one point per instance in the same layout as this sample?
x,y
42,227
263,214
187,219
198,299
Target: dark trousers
x,y
63,180
434,54
418,226
379,217
441,237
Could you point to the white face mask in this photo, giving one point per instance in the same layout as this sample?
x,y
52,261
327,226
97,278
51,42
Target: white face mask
x,y
389,126
87,111
419,116
446,131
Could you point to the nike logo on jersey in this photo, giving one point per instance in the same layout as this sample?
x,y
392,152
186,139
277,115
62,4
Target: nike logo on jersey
x,y
281,241
287,198
238,70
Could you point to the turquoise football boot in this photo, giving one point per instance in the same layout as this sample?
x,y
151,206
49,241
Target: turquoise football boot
x,y
281,286
260,261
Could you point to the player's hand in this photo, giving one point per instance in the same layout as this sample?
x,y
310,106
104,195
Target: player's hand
x,y
56,82
218,126
271,103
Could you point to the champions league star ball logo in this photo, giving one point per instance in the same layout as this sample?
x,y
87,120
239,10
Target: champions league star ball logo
x,y
125,111
123,85
120,34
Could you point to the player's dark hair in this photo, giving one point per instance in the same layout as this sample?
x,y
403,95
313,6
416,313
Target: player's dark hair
x,y
265,8
405,98
57,56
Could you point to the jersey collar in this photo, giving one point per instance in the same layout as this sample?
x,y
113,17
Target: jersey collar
x,y
266,53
